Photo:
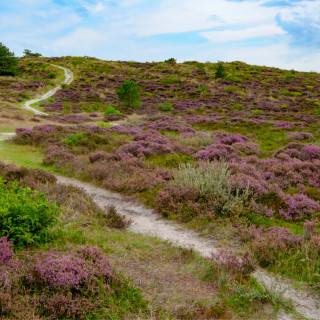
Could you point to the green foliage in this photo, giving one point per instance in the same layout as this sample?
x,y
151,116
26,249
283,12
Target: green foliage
x,y
73,139
167,106
23,95
317,103
129,94
103,124
256,111
171,61
66,108
288,78
319,112
202,88
8,62
212,180
221,71
52,75
111,110
25,215
28,53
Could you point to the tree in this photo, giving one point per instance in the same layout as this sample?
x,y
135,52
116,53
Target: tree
x,y
129,94
8,62
221,71
28,53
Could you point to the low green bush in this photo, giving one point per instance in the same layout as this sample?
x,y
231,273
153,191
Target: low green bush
x,y
73,139
111,110
167,106
25,215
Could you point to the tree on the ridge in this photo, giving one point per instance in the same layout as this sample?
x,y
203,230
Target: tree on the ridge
x,y
8,62
28,53
129,94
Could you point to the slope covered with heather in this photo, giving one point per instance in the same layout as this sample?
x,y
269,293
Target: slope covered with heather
x,y
228,149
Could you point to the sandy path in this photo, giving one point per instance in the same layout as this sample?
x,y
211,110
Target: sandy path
x,y
69,77
146,221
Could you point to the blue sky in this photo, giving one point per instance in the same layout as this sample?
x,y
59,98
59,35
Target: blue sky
x,y
280,33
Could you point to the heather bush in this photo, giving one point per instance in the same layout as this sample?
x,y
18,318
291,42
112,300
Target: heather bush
x,y
300,135
113,219
237,264
76,284
26,215
146,144
299,207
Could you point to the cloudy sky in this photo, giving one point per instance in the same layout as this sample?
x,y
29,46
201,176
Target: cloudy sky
x,y
281,33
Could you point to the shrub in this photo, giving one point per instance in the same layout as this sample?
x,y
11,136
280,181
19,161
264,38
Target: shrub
x,y
171,61
213,180
220,71
235,263
26,215
167,106
73,139
111,110
113,219
52,75
75,284
129,94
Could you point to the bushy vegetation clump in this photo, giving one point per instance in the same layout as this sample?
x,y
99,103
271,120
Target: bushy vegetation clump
x,y
129,94
77,283
26,216
8,62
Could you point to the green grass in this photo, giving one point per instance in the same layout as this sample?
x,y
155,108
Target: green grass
x,y
269,138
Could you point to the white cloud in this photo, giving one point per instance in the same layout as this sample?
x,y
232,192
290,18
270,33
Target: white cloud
x,y
95,8
236,35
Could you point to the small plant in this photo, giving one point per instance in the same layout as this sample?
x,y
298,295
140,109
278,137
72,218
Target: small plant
x,y
221,71
111,110
202,88
52,75
129,94
25,215
288,78
167,106
24,95
317,103
66,108
73,139
284,106
256,111
103,124
114,220
319,112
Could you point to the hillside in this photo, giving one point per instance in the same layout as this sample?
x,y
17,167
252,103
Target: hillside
x,y
229,150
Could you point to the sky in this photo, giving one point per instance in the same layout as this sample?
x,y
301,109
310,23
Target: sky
x,y
278,33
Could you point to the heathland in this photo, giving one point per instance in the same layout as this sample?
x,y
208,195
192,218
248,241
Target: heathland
x,y
228,150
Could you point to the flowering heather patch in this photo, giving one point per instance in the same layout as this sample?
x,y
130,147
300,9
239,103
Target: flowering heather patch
x,y
237,264
74,284
147,143
299,207
300,135
217,152
6,254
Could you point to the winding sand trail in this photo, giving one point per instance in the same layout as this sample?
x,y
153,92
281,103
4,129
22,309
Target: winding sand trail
x,y
146,221
68,79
